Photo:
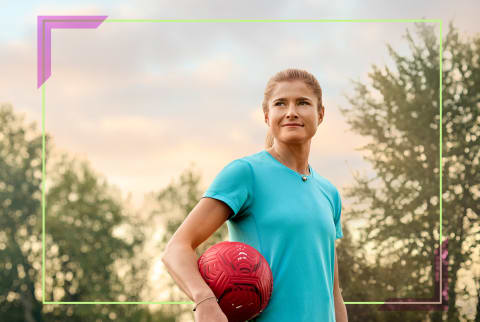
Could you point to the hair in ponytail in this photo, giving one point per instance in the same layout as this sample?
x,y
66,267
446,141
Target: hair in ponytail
x,y
286,75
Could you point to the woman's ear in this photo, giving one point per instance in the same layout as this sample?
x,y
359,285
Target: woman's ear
x,y
320,115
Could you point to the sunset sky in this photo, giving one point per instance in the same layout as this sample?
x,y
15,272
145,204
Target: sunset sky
x,y
142,101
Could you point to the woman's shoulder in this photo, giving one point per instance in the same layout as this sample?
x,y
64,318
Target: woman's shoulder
x,y
326,184
254,156
251,159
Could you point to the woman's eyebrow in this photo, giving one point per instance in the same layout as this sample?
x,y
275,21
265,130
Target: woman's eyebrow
x,y
284,99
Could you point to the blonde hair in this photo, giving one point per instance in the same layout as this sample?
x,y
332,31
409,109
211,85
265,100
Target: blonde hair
x,y
287,75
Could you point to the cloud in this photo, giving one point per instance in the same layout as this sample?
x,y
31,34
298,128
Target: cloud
x,y
141,99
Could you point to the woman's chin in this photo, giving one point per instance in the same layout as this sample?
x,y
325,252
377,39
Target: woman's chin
x,y
290,139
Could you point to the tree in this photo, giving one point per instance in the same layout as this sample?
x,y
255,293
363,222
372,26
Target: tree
x,y
20,180
92,241
399,112
173,204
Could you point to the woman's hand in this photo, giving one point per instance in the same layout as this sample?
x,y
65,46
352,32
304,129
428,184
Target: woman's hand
x,y
209,311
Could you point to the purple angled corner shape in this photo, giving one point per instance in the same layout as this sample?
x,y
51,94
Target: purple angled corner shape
x,y
45,24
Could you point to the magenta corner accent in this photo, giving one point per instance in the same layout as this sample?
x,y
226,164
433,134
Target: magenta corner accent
x,y
415,304
45,24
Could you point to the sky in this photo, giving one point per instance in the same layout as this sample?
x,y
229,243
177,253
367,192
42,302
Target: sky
x,y
142,101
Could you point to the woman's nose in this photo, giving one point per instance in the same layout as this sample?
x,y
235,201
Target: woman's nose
x,y
292,109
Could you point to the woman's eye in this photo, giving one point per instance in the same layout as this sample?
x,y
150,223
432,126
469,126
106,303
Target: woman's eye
x,y
276,104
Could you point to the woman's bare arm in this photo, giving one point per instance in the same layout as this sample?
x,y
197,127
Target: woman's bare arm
x,y
180,258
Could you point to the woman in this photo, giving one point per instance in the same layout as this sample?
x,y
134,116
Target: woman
x,y
274,201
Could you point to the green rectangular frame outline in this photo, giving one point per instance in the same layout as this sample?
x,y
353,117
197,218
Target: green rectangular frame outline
x,y
439,21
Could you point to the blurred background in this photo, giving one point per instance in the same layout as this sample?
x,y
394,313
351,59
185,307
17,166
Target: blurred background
x,y
141,116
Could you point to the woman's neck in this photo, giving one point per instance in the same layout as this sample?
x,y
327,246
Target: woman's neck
x,y
292,157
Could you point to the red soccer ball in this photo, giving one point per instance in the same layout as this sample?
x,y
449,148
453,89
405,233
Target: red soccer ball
x,y
240,278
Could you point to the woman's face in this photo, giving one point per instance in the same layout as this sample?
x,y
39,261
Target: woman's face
x,y
293,102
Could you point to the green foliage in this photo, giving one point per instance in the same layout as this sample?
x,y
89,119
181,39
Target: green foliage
x,y
174,203
20,254
177,200
92,242
399,112
93,239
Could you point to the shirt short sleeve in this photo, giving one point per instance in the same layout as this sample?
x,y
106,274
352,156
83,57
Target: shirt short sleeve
x,y
337,215
233,186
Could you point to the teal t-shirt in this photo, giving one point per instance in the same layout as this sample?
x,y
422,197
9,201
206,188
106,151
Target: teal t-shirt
x,y
293,223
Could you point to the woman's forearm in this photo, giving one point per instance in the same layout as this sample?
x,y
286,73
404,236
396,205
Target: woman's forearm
x,y
340,308
181,264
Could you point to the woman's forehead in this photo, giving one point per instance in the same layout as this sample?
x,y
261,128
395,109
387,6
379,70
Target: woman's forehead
x,y
292,89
